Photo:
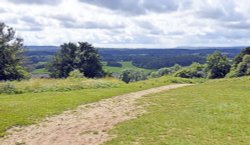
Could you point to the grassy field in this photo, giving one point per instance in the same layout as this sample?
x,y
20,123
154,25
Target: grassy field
x,y
28,108
215,112
125,65
40,71
56,85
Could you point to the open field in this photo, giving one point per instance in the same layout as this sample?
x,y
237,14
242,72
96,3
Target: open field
x,y
215,112
125,65
86,125
28,108
40,71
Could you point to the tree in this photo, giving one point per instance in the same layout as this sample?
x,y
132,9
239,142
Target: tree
x,y
241,64
82,56
239,58
217,65
11,55
87,60
243,67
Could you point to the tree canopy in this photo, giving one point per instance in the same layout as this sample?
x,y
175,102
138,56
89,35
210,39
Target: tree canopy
x,y
11,55
82,56
217,65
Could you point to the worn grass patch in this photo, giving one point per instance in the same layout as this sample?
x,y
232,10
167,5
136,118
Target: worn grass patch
x,y
216,112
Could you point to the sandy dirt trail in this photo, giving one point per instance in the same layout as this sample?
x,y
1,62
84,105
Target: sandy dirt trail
x,y
86,125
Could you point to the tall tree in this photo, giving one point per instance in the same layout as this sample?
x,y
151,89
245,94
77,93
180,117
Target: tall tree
x,y
239,58
243,68
11,55
82,56
217,65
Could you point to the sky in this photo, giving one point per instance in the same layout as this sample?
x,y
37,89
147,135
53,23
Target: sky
x,y
130,23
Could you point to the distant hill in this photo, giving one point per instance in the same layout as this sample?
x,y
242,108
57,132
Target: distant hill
x,y
42,48
150,58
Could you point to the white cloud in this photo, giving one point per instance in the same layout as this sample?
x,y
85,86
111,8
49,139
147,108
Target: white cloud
x,y
129,23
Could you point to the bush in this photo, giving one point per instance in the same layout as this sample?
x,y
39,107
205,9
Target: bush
x,y
132,76
195,70
165,71
75,74
243,67
8,88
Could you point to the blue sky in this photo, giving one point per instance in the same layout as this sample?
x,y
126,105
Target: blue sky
x,y
130,23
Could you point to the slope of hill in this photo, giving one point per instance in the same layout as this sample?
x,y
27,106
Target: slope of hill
x,y
216,112
44,97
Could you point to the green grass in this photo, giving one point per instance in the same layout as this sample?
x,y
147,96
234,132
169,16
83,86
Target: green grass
x,y
215,112
40,71
28,108
52,85
125,65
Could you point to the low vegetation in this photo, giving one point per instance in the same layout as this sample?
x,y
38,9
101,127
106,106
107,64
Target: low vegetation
x,y
215,112
53,85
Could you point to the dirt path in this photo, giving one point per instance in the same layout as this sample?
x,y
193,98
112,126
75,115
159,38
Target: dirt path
x,y
86,125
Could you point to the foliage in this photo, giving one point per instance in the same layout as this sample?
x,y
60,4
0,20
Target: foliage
x,y
239,58
217,65
195,70
129,75
215,112
165,71
11,54
8,88
243,67
72,56
241,63
75,74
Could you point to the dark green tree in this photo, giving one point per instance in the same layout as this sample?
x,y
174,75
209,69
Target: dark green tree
x,y
241,64
239,58
217,65
82,56
11,55
243,68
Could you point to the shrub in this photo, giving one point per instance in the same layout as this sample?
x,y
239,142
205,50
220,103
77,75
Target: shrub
x,y
132,76
8,88
75,74
195,70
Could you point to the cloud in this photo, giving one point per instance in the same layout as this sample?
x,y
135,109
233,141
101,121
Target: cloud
x,y
218,10
245,25
139,7
130,23
44,2
90,25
